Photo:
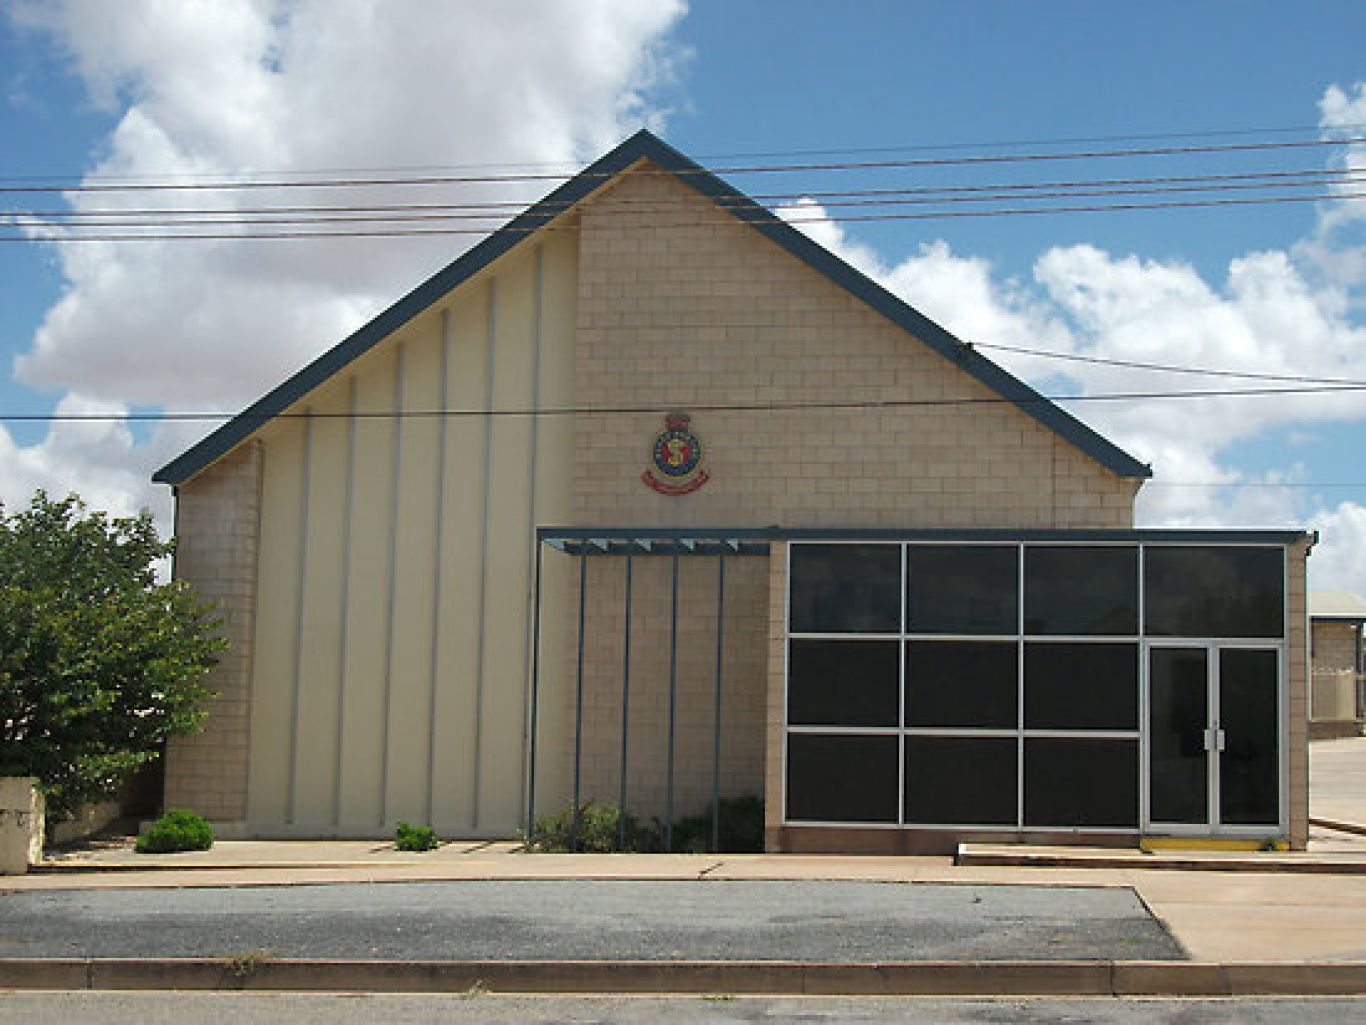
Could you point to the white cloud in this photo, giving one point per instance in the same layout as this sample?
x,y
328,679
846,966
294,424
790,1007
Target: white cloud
x,y
1284,312
206,92
1338,562
89,457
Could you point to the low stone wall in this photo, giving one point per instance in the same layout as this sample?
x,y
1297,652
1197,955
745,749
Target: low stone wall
x,y
21,824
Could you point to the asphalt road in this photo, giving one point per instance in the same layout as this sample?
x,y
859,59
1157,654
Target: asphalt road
x,y
591,920
327,1009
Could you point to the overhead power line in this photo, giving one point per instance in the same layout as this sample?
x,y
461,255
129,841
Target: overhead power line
x,y
58,237
865,198
230,184
1168,367
1315,131
150,416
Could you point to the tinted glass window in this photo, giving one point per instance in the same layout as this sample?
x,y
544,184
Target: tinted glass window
x,y
1213,592
1081,686
961,780
841,779
962,683
1178,765
843,683
1081,782
846,588
962,589
1249,765
1081,591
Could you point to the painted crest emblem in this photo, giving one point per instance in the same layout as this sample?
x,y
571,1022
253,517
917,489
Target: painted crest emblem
x,y
675,458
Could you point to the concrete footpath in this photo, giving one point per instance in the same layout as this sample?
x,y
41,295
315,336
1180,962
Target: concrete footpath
x,y
1242,922
1244,932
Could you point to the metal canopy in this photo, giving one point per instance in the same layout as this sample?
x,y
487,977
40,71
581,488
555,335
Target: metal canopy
x,y
605,537
657,546
583,543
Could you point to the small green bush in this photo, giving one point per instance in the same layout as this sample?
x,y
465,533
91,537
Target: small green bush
x,y
415,838
598,831
741,822
177,830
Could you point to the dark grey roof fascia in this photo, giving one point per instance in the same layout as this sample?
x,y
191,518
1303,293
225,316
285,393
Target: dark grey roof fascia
x,y
416,302
644,145
1098,535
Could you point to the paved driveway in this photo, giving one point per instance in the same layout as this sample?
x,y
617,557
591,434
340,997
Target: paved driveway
x,y
1337,780
593,920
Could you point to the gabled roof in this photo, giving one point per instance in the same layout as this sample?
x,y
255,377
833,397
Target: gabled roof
x,y
645,146
1336,605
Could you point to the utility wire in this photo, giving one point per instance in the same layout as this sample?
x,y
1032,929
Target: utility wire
x,y
1254,179
1170,368
92,185
653,409
944,147
429,212
53,235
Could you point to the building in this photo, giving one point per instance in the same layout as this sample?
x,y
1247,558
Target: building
x,y
739,522
1337,663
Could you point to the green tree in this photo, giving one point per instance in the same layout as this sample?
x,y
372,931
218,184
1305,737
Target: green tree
x,y
99,662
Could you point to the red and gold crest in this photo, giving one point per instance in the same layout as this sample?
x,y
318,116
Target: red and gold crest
x,y
675,458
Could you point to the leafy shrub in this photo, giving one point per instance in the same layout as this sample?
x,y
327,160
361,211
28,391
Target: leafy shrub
x,y
177,830
415,838
99,663
598,831
741,826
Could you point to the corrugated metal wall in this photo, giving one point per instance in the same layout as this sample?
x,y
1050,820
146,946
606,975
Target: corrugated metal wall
x,y
395,565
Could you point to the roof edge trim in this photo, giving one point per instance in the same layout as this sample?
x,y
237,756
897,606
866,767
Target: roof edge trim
x,y
644,145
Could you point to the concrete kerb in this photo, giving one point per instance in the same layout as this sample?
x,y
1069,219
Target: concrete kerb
x,y
961,978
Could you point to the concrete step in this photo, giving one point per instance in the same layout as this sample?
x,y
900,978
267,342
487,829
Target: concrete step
x,y
977,854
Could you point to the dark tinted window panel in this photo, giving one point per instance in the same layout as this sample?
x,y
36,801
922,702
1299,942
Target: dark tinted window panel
x,y
1081,782
846,589
1178,764
1081,590
962,683
1081,686
843,683
968,781
1249,765
841,779
1213,592
962,589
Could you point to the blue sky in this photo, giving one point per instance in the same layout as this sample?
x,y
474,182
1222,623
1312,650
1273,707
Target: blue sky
x,y
150,89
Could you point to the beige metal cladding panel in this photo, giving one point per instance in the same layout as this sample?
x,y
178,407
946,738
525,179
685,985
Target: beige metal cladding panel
x,y
683,306
364,625
395,567
280,585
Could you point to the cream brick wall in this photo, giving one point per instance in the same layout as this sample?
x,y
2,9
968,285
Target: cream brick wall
x,y
1297,655
742,677
682,307
1334,662
218,530
775,723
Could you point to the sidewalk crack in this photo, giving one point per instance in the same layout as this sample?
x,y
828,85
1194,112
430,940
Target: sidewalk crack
x,y
709,869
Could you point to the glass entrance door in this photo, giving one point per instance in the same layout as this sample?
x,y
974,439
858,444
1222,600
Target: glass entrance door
x,y
1213,738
